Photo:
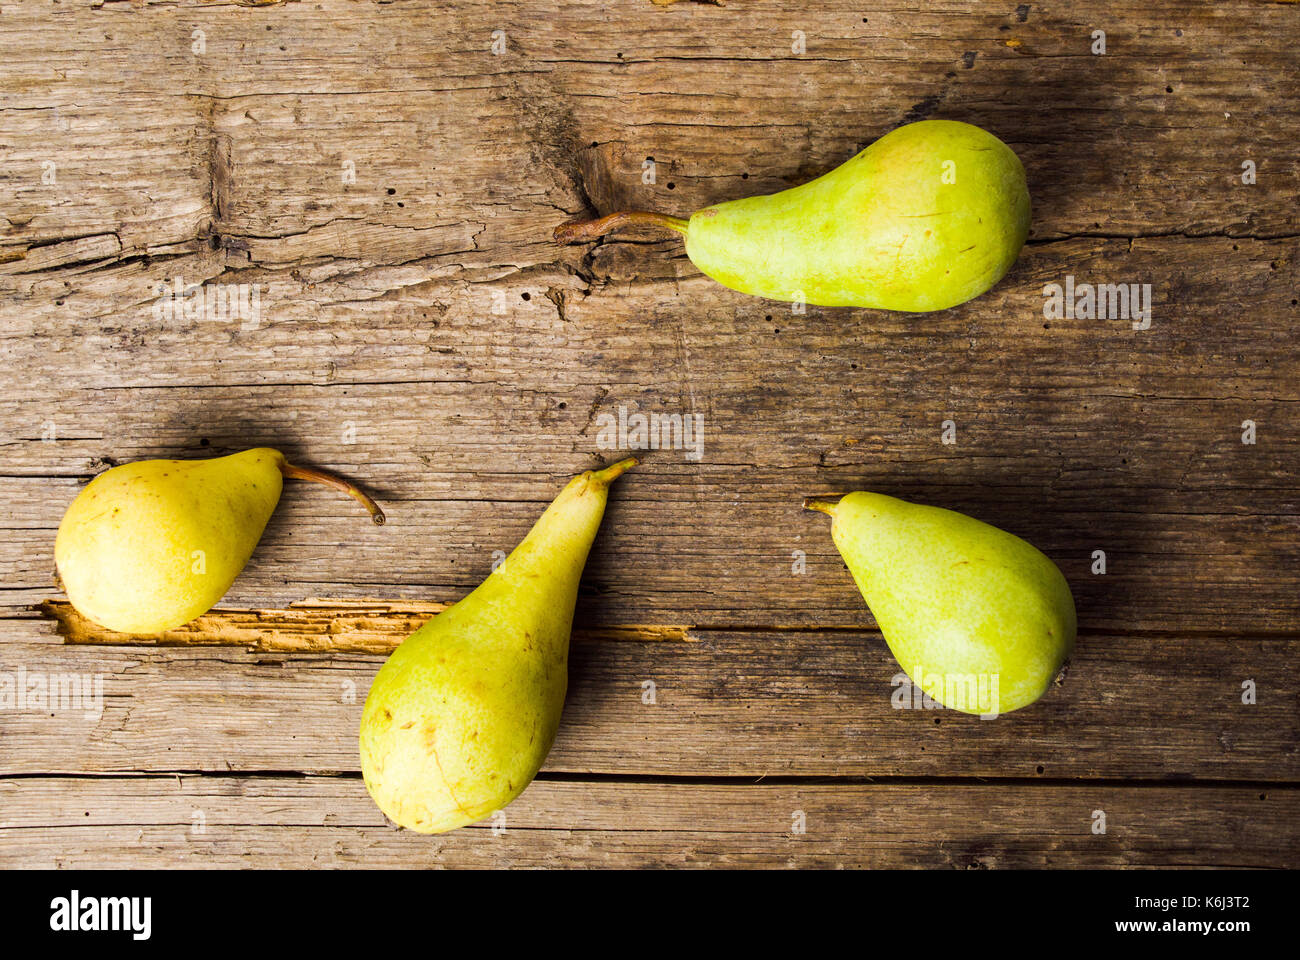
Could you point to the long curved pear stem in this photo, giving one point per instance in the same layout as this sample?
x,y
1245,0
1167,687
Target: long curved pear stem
x,y
586,230
330,480
614,470
825,506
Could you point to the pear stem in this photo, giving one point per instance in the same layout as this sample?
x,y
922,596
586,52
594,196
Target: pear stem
x,y
586,230
614,470
330,480
825,506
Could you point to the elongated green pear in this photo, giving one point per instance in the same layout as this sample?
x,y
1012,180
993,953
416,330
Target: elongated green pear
x,y
462,715
927,217
978,618
148,546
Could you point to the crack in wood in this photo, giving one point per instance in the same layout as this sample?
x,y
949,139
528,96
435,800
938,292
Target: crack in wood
x,y
316,625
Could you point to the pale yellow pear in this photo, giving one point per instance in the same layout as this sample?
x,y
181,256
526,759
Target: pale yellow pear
x,y
149,546
460,718
978,618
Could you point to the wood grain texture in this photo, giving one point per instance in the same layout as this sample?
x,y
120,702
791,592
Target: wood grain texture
x,y
330,822
388,185
770,703
249,135
1123,441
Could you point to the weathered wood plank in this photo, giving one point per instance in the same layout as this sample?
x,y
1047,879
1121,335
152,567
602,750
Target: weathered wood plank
x,y
1120,440
245,139
719,546
1220,316
316,822
757,704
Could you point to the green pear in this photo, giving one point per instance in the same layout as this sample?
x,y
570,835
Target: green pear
x,y
149,546
927,217
462,715
978,618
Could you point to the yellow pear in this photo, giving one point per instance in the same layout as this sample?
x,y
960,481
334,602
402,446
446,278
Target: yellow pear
x,y
149,546
980,620
461,717
927,217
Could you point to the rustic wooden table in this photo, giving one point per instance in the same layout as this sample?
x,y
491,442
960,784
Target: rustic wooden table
x,y
385,176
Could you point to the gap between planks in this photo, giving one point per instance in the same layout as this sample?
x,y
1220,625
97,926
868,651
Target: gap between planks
x,y
378,626
831,780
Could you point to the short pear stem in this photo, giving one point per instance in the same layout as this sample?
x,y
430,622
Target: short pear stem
x,y
585,230
330,480
825,506
614,470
